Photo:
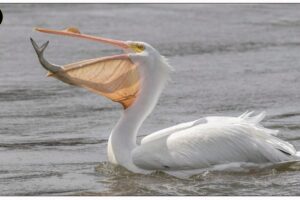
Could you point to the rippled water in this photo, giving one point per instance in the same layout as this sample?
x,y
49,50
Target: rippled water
x,y
228,59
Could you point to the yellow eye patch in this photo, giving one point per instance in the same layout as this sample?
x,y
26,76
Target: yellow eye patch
x,y
138,48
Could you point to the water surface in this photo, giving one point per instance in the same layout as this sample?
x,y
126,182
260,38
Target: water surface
x,y
228,59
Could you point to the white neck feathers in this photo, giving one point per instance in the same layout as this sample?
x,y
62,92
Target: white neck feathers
x,y
154,74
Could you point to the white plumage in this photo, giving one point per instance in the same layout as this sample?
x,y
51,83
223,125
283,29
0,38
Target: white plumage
x,y
210,141
184,147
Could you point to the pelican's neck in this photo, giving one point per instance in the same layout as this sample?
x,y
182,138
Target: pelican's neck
x,y
123,136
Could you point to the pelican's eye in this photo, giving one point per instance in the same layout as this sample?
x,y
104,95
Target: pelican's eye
x,y
138,48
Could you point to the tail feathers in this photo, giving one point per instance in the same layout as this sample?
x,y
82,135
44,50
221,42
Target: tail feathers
x,y
246,114
255,120
258,118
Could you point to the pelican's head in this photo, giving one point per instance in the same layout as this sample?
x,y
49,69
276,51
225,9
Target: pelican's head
x,y
141,47
146,50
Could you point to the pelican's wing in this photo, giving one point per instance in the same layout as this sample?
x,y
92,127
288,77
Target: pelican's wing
x,y
219,119
168,131
221,140
115,77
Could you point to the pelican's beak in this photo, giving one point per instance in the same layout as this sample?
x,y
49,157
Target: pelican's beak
x,y
74,32
115,77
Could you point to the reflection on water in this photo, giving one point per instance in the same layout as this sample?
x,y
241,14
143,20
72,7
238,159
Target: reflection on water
x,y
228,59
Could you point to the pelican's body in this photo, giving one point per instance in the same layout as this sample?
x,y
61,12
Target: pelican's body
x,y
211,141
187,146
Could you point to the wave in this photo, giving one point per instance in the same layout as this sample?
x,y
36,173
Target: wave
x,y
195,48
25,94
285,115
237,168
60,142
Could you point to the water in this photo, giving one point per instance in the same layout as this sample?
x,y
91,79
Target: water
x,y
228,59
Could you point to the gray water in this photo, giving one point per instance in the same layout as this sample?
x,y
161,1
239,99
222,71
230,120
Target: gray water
x,y
228,59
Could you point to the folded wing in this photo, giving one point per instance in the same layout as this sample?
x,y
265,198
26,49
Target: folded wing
x,y
219,140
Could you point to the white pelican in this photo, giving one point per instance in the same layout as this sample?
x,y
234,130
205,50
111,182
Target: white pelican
x,y
136,79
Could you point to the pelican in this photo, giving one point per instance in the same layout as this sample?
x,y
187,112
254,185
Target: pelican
x,y
136,79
